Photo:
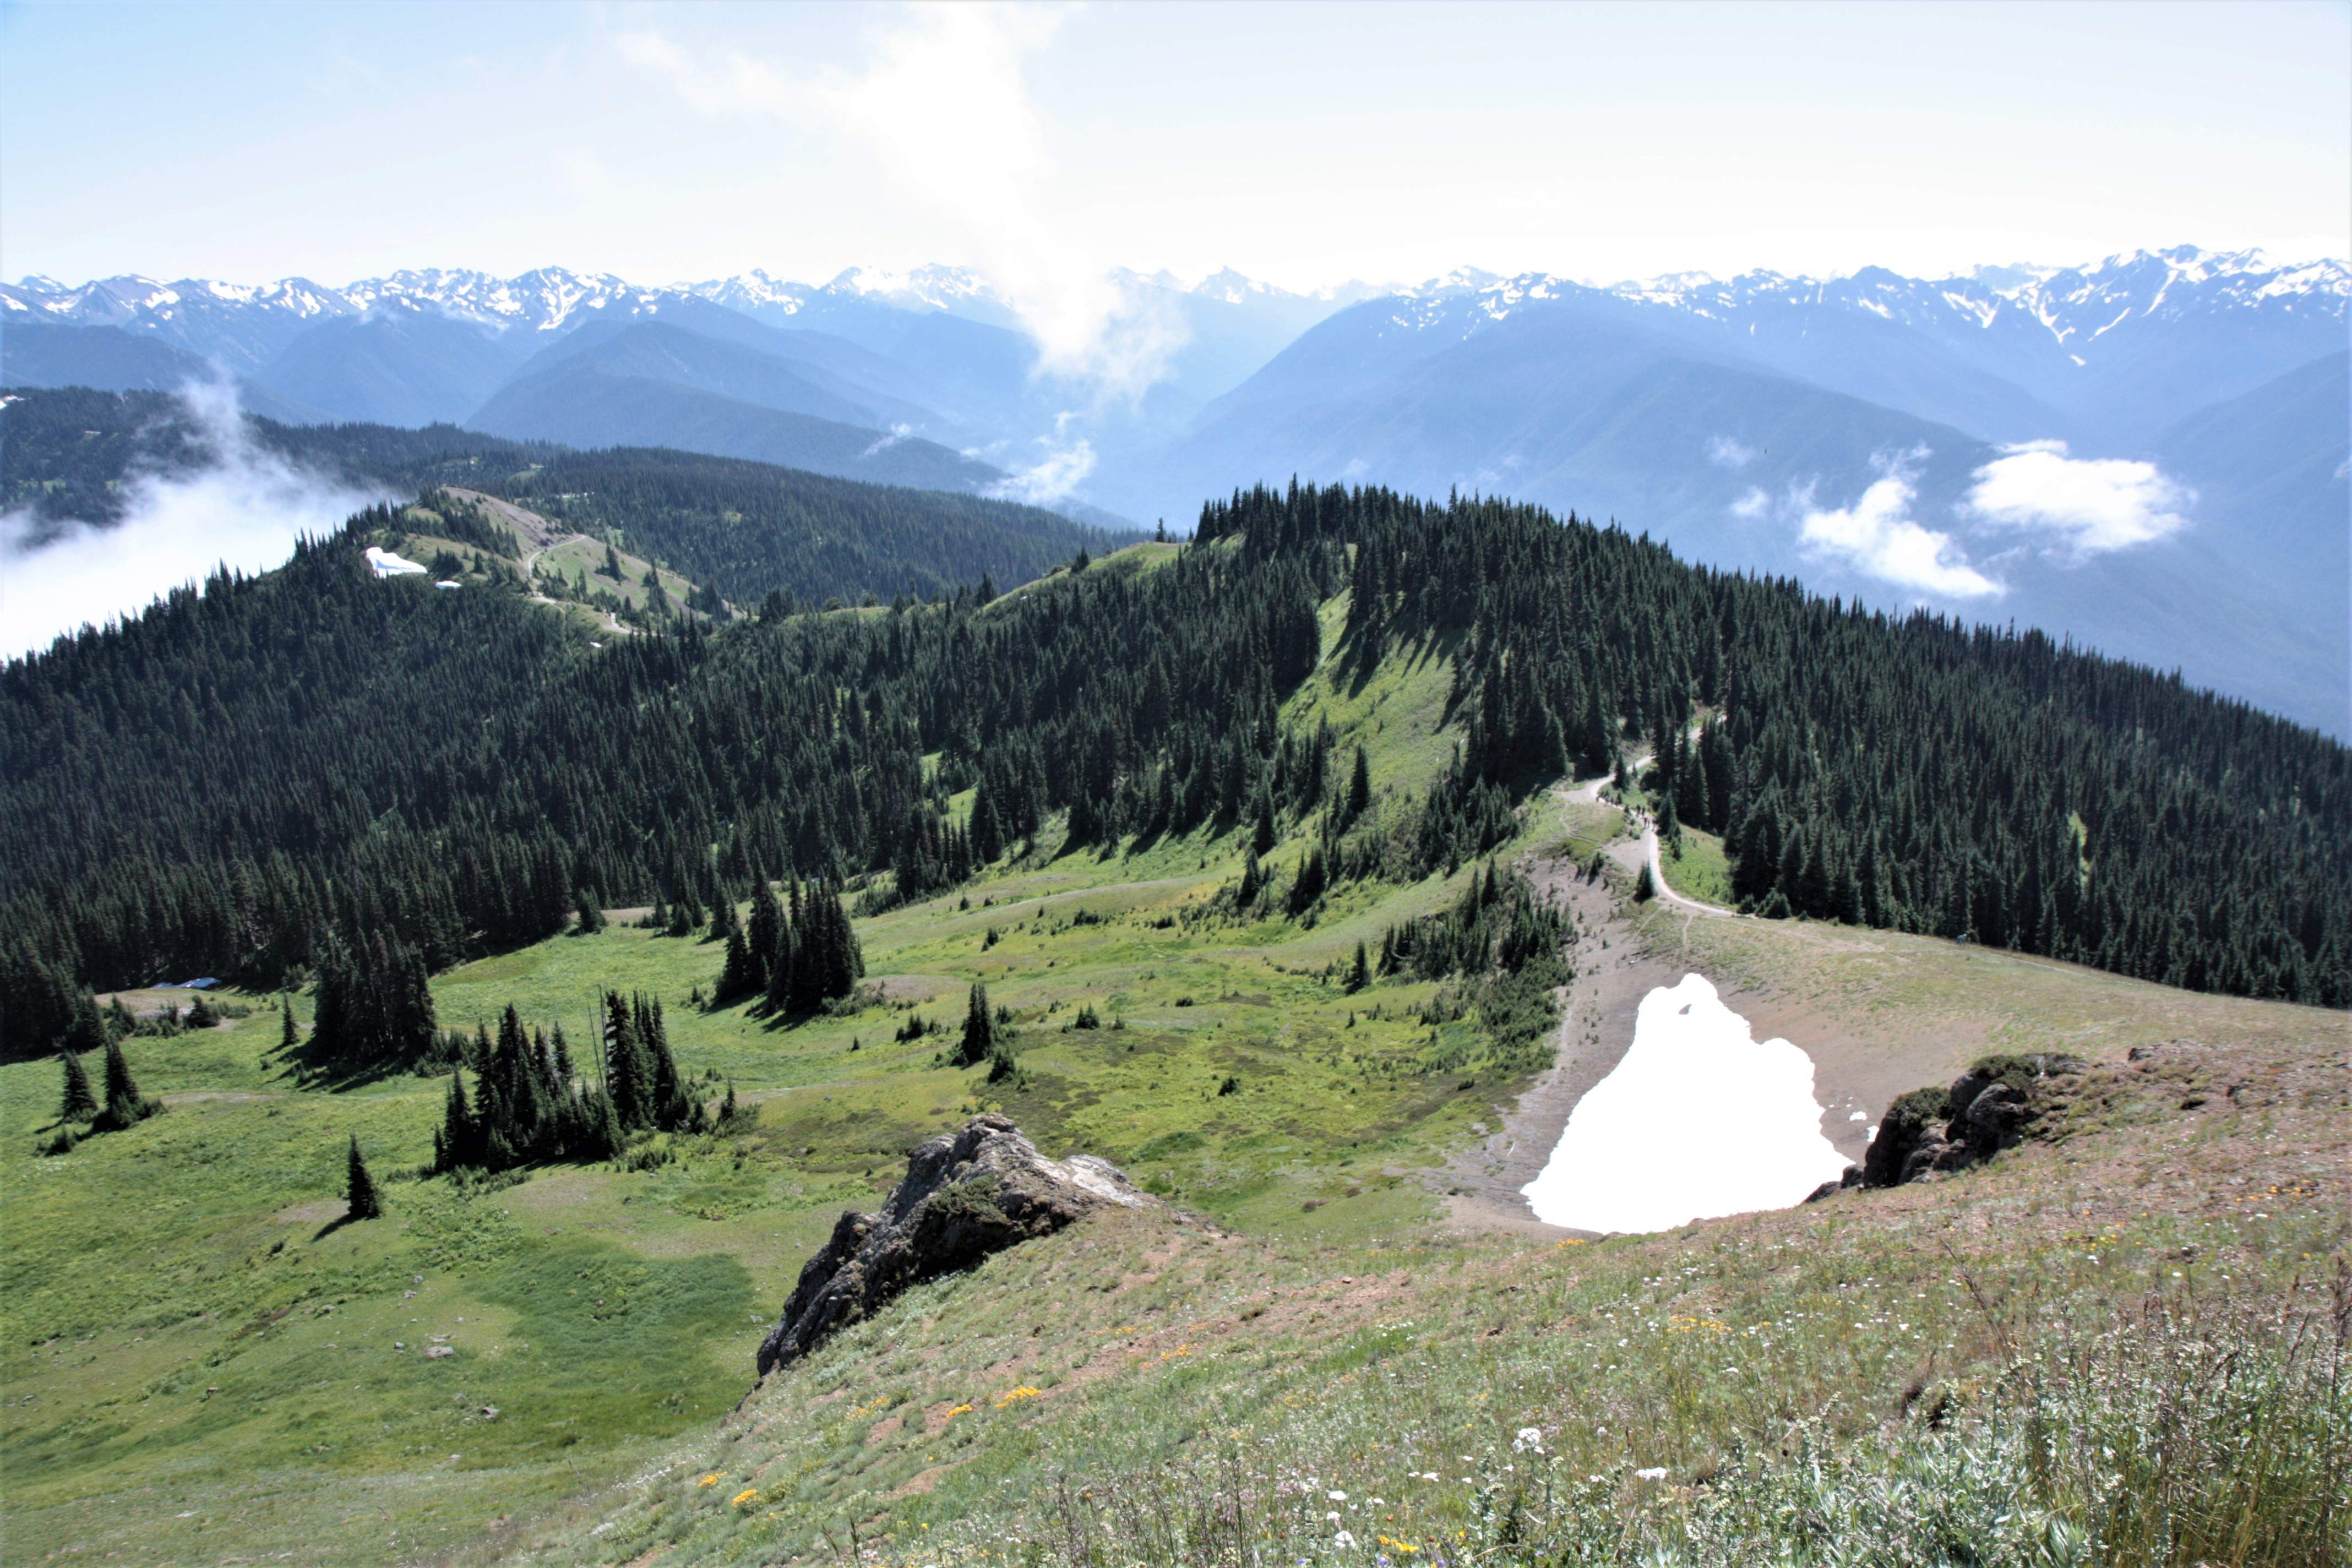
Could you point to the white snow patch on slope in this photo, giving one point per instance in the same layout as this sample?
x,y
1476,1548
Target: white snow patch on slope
x,y
1699,1121
387,565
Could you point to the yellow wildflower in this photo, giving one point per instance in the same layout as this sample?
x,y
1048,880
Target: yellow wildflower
x,y
709,1480
747,1497
1015,1395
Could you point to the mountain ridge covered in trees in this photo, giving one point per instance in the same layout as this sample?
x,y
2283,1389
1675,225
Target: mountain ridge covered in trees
x,y
745,529
256,770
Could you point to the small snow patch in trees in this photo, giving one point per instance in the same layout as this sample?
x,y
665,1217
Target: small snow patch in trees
x,y
386,564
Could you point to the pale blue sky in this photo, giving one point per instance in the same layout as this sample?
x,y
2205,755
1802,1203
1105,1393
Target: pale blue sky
x,y
1305,144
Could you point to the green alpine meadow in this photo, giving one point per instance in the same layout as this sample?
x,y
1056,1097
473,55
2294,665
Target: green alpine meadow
x,y
1040,785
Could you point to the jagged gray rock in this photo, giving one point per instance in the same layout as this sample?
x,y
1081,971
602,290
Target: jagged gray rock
x,y
1994,1105
966,1195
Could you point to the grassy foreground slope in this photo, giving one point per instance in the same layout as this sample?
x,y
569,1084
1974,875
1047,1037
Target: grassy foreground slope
x,y
200,1364
2117,1346
200,1361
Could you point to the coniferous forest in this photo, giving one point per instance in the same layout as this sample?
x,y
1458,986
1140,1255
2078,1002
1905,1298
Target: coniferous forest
x,y
742,529
263,777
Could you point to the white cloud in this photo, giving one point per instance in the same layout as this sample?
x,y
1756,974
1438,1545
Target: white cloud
x,y
1728,452
2090,505
1752,504
1878,535
1063,469
883,443
245,509
944,110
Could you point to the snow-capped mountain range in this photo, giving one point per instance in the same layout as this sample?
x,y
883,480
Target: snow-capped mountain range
x,y
2148,451
2066,311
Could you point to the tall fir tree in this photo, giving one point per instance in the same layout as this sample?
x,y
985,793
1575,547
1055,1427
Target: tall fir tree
x,y
979,1040
78,1103
125,1106
360,1198
1359,786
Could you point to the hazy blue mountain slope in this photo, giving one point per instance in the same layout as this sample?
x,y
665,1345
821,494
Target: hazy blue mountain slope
x,y
2140,387
2274,512
2275,454
393,367
584,406
1577,402
889,392
658,351
1826,335
1589,403
109,359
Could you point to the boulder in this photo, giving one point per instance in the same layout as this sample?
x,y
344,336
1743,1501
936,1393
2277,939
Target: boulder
x,y
1995,1105
966,1195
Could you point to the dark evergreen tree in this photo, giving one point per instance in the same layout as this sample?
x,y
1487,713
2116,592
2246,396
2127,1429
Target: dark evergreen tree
x,y
1253,882
628,1068
360,1198
78,1103
739,974
1359,786
987,831
88,1031
759,933
1312,878
125,1106
978,1043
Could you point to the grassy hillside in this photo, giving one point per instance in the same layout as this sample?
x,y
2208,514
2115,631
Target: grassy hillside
x,y
200,1363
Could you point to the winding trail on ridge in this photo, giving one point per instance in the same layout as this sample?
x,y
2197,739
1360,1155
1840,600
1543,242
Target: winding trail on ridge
x,y
1614,970
1590,795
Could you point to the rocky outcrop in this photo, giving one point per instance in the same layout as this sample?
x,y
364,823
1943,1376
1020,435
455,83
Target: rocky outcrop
x,y
1996,1104
966,1195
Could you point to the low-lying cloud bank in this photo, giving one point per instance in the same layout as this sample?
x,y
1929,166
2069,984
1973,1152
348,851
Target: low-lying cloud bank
x,y
2068,508
1878,535
2086,505
1066,462
244,508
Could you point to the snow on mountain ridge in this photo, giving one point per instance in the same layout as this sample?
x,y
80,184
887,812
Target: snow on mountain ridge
x,y
2066,309
2071,305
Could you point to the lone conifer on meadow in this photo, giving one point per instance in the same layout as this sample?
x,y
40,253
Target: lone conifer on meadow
x,y
979,1042
359,1188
